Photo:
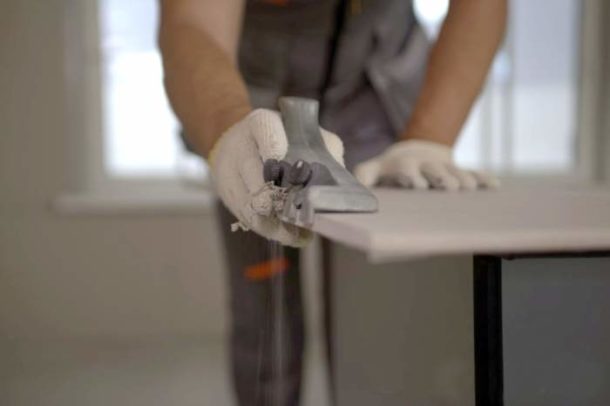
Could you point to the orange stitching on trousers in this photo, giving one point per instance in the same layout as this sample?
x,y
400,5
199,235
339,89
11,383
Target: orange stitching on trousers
x,y
267,269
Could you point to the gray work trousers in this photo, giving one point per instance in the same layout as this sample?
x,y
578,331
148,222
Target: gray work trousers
x,y
373,80
253,306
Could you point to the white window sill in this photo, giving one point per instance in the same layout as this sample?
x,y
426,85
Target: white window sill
x,y
176,198
116,203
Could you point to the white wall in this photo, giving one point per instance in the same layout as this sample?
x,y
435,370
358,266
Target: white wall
x,y
404,331
604,135
91,275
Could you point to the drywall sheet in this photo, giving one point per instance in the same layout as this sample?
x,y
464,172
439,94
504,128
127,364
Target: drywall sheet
x,y
535,218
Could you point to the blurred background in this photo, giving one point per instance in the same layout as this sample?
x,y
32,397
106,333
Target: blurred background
x,y
111,272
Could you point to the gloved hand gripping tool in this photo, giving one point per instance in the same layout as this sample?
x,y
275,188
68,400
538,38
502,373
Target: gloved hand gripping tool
x,y
314,181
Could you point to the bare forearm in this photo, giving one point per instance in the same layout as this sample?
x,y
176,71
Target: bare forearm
x,y
457,67
203,84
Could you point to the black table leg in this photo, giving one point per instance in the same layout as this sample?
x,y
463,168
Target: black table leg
x,y
488,331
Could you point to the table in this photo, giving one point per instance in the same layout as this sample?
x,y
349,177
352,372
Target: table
x,y
540,303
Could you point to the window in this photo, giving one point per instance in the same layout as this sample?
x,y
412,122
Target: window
x,y
524,121
141,134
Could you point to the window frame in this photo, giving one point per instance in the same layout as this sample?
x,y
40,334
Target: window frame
x,y
85,94
86,97
593,151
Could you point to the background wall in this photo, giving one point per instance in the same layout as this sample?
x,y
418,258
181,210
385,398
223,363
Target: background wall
x,y
404,331
603,158
126,307
92,275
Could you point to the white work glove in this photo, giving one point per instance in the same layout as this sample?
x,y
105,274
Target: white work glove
x,y
419,164
236,163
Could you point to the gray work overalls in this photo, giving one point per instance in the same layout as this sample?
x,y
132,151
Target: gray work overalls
x,y
366,92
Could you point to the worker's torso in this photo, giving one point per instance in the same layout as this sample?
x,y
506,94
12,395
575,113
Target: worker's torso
x,y
376,71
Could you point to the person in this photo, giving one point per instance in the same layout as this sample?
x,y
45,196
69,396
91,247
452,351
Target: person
x,y
396,101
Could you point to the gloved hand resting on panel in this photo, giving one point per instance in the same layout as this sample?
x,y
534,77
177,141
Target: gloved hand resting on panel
x,y
236,163
420,164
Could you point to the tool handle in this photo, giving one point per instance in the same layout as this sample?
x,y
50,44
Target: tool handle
x,y
305,142
318,182
300,118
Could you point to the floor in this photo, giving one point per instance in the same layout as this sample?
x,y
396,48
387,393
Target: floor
x,y
177,373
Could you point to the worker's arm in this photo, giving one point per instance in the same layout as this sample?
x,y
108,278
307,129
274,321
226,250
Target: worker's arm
x,y
198,41
456,70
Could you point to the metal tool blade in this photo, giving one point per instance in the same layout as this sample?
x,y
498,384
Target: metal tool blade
x,y
330,188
